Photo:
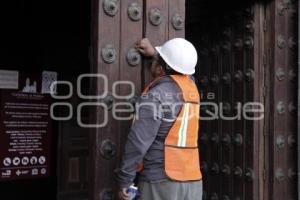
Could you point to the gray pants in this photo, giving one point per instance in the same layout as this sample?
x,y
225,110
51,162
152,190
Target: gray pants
x,y
171,190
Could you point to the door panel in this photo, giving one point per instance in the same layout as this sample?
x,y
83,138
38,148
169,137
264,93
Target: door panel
x,y
226,108
117,26
170,25
176,19
260,64
282,34
156,28
130,60
105,140
229,66
238,97
243,48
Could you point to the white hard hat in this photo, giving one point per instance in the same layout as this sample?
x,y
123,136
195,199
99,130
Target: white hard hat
x,y
180,55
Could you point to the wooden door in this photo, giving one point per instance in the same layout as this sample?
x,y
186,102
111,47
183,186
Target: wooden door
x,y
117,25
229,76
247,53
281,53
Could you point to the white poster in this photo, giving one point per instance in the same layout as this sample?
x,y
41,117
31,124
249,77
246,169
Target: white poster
x,y
47,79
9,79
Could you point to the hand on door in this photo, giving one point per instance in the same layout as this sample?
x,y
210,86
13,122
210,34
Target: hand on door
x,y
145,47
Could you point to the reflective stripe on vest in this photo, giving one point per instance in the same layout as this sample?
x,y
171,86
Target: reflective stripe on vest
x,y
181,144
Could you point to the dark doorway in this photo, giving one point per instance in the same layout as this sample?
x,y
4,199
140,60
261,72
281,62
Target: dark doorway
x,y
55,36
243,48
225,35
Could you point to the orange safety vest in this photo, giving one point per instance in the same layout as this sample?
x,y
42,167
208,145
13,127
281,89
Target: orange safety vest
x,y
182,161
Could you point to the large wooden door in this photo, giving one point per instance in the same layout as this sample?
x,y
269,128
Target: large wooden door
x,y
246,57
117,25
281,42
247,53
229,74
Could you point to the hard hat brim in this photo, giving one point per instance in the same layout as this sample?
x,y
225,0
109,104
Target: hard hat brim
x,y
176,68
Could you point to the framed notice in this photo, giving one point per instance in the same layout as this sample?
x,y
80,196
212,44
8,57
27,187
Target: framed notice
x,y
25,125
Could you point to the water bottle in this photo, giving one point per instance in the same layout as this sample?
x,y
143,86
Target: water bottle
x,y
132,190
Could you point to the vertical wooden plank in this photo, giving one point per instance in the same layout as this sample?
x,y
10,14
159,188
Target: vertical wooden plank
x,y
176,21
278,124
73,175
269,61
202,75
259,63
225,101
238,124
249,135
216,133
254,56
291,96
208,70
93,190
202,80
106,31
202,83
131,32
282,34
157,34
298,100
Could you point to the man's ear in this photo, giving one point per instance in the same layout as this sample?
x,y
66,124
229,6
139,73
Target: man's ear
x,y
159,70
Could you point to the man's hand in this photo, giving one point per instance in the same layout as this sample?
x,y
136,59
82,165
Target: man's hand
x,y
145,47
123,195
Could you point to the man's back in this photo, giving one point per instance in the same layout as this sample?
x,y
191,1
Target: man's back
x,y
171,100
156,114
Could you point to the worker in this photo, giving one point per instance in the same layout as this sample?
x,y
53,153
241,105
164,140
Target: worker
x,y
164,135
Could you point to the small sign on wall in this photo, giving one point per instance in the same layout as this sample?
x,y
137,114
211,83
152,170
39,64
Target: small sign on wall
x,y
9,79
25,124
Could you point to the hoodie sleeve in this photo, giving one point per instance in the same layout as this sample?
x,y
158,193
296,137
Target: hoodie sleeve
x,y
142,134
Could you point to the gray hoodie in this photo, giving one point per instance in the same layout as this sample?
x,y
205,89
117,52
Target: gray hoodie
x,y
156,113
